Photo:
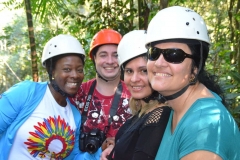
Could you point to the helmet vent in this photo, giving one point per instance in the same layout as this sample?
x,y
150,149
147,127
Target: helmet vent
x,y
194,19
55,46
197,32
187,23
49,53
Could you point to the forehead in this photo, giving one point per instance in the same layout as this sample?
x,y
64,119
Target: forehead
x,y
137,62
69,59
170,44
166,45
107,48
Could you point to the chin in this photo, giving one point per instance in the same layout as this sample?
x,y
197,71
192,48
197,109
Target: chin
x,y
156,87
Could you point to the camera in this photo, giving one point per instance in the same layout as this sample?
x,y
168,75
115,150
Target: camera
x,y
90,142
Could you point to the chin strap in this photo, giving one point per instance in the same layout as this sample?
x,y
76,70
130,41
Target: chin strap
x,y
106,79
153,96
101,77
56,88
163,99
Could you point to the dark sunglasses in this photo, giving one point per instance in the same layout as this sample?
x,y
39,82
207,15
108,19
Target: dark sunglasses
x,y
171,55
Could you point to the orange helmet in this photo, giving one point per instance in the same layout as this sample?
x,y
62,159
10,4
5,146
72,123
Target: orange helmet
x,y
105,36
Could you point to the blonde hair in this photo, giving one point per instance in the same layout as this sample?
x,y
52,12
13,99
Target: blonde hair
x,y
141,107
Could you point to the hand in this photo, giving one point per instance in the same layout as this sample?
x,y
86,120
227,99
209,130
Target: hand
x,y
109,141
106,152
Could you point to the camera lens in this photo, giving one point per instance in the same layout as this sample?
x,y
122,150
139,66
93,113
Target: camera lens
x,y
92,147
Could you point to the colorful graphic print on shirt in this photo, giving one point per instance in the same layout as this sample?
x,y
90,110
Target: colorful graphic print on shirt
x,y
52,138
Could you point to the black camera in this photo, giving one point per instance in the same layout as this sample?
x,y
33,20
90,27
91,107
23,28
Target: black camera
x,y
90,142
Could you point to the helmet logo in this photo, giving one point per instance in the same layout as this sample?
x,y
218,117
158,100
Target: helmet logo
x,y
188,10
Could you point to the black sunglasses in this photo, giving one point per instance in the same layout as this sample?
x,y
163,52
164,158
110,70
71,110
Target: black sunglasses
x,y
171,55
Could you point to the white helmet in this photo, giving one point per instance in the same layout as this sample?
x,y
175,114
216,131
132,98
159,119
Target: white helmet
x,y
131,45
61,44
177,22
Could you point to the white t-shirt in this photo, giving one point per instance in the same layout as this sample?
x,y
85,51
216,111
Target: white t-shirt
x,y
47,134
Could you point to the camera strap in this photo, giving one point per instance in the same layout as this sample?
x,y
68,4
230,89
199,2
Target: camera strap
x,y
114,106
88,101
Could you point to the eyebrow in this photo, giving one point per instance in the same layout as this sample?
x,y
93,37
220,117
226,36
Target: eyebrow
x,y
141,67
106,52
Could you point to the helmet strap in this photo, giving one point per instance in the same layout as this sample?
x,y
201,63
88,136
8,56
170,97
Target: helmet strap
x,y
153,96
106,80
56,88
163,99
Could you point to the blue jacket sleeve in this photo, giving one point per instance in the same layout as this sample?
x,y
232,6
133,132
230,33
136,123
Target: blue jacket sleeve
x,y
15,99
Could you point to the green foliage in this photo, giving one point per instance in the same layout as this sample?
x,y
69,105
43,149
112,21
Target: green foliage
x,y
84,18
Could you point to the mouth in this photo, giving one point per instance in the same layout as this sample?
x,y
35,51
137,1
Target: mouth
x,y
72,84
110,68
161,74
137,88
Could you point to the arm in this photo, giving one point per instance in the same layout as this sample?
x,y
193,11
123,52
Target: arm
x,y
109,141
15,99
106,152
209,132
199,155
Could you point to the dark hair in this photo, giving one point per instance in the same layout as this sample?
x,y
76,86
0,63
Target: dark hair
x,y
94,51
203,76
144,55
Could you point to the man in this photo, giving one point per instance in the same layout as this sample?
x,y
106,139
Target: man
x,y
97,106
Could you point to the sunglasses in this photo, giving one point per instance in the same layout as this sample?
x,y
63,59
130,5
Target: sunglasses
x,y
171,55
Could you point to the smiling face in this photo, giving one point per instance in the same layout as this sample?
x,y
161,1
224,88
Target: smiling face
x,y
168,78
68,73
136,79
106,61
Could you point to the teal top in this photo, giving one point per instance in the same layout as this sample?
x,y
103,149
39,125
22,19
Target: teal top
x,y
207,125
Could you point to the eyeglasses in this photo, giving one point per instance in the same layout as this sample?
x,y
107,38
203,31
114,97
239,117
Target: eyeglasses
x,y
171,55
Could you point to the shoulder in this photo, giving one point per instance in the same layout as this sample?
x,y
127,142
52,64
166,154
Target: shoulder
x,y
86,85
210,110
158,115
160,110
25,93
27,87
210,119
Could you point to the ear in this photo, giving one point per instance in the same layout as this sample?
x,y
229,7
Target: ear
x,y
195,70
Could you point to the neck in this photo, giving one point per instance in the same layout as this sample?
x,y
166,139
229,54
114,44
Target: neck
x,y
58,97
182,104
107,88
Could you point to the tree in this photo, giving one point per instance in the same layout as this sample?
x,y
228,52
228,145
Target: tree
x,y
32,40
84,18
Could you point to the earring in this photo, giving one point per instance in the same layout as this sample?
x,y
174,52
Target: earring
x,y
193,80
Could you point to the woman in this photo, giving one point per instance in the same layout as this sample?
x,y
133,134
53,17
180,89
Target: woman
x,y
36,119
199,127
140,136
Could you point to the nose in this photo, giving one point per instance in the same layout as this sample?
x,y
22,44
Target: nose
x,y
135,77
161,61
74,74
110,59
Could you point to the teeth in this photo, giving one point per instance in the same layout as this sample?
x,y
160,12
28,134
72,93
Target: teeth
x,y
136,87
162,74
72,84
109,68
